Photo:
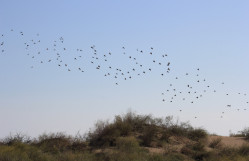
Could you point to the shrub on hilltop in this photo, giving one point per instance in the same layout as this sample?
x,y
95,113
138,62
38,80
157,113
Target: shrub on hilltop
x,y
146,129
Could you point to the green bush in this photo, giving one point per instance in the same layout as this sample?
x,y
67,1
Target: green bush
x,y
127,144
22,152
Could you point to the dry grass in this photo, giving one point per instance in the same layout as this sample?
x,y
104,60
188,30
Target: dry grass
x,y
229,141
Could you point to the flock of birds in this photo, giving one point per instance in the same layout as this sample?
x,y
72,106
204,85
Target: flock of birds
x,y
69,60
197,88
57,52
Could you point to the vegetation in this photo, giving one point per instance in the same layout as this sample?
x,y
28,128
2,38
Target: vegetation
x,y
130,137
244,133
216,143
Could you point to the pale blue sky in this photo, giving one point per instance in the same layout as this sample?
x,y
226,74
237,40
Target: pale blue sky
x,y
210,35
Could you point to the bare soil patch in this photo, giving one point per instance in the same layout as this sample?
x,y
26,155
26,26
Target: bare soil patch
x,y
229,141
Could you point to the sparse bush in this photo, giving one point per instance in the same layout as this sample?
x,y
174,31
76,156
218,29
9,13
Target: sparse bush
x,y
148,135
54,143
236,135
165,135
195,151
150,131
169,149
17,138
105,134
244,150
79,143
245,133
123,140
22,152
216,143
228,151
198,146
168,157
127,144
176,130
186,150
197,134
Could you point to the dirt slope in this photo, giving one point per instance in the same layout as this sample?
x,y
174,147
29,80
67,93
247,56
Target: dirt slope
x,y
229,141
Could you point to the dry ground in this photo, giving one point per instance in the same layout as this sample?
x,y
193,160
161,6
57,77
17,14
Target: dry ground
x,y
226,141
178,143
229,141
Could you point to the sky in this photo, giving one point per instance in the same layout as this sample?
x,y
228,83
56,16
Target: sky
x,y
210,35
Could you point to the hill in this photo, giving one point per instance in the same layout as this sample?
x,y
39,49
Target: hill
x,y
129,137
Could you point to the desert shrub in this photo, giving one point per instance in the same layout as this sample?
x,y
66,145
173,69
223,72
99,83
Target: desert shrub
x,y
186,150
22,152
213,134
176,130
198,146
244,150
17,138
54,143
168,157
77,146
195,151
236,135
245,133
105,134
127,144
165,135
216,143
169,149
79,143
148,135
85,156
122,125
174,157
200,156
227,151
151,131
242,133
197,134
